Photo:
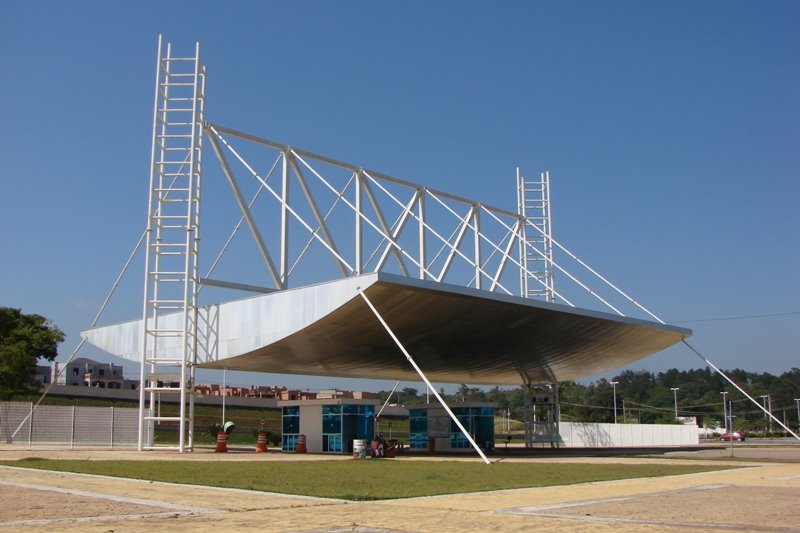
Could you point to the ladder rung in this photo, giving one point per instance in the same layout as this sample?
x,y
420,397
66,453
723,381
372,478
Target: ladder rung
x,y
175,136
170,59
176,110
164,418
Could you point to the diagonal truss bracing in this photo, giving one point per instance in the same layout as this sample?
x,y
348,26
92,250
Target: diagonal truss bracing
x,y
366,221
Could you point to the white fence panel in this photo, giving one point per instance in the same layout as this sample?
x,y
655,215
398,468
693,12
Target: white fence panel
x,y
68,426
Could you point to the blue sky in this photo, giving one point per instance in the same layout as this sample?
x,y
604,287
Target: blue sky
x,y
671,131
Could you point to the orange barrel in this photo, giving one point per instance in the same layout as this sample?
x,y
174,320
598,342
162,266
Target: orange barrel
x,y
222,442
301,444
261,445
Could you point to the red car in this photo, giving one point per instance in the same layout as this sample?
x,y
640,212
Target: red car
x,y
736,435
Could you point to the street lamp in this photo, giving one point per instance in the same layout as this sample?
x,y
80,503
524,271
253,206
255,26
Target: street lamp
x,y
724,410
614,385
764,400
675,392
798,411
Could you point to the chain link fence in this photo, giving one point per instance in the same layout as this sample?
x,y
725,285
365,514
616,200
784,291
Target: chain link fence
x,y
68,426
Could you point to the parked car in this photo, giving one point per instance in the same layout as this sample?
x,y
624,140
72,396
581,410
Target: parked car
x,y
736,435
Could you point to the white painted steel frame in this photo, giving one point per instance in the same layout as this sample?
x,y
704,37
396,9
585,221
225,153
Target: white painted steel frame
x,y
173,237
300,165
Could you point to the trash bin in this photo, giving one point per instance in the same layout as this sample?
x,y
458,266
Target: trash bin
x,y
359,449
431,445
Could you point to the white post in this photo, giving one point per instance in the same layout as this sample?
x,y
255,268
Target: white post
x,y
798,411
112,427
72,430
614,385
675,392
224,393
424,378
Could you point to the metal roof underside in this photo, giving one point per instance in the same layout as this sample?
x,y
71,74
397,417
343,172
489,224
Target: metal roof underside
x,y
455,334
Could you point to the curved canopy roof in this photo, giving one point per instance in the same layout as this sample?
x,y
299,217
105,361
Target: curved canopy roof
x,y
455,334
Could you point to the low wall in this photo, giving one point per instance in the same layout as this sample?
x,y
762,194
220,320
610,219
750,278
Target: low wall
x,y
586,435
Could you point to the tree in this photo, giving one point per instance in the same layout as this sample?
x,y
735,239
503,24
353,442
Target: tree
x,y
23,340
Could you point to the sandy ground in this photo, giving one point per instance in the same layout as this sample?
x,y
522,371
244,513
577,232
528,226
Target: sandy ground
x,y
762,496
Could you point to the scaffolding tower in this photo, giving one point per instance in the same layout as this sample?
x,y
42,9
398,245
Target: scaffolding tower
x,y
536,248
169,339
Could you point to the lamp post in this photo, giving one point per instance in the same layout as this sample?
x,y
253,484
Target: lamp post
x,y
724,410
764,400
798,411
675,393
614,386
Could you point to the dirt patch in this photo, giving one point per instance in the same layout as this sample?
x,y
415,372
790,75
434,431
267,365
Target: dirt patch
x,y
23,504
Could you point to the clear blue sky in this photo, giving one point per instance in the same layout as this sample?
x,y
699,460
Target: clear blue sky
x,y
671,130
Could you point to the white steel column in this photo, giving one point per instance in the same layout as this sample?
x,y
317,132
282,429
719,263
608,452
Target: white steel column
x,y
422,244
536,248
169,309
424,378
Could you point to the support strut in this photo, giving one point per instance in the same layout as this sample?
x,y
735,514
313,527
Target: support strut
x,y
424,378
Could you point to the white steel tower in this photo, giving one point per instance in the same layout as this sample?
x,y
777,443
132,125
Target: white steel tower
x,y
173,236
536,243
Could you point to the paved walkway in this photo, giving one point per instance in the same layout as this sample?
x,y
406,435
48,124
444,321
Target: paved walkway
x,y
762,496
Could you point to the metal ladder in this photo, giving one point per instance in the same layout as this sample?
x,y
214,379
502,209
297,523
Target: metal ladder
x,y
536,248
169,339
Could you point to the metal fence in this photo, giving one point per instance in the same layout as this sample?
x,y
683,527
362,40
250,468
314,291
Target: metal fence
x,y
68,426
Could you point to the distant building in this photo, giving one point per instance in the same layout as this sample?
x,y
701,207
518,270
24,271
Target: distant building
x,y
43,374
83,372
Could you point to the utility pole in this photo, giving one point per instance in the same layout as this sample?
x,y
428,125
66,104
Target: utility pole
x,y
675,392
725,409
764,398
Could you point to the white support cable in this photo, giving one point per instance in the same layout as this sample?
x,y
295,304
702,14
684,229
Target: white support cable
x,y
237,226
491,255
389,234
100,312
265,255
502,264
321,222
387,401
433,231
462,232
423,376
729,380
445,246
570,276
345,166
353,208
325,219
598,275
278,197
473,214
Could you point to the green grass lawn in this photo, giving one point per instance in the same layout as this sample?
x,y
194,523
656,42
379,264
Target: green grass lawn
x,y
364,479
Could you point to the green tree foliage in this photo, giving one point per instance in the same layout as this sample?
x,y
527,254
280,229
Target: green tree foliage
x,y
23,340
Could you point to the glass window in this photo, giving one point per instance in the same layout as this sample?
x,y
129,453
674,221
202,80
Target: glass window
x,y
331,423
331,409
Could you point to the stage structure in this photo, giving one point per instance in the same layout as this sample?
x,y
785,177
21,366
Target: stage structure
x,y
361,275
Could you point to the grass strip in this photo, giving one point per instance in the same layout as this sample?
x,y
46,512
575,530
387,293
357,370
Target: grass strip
x,y
364,479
